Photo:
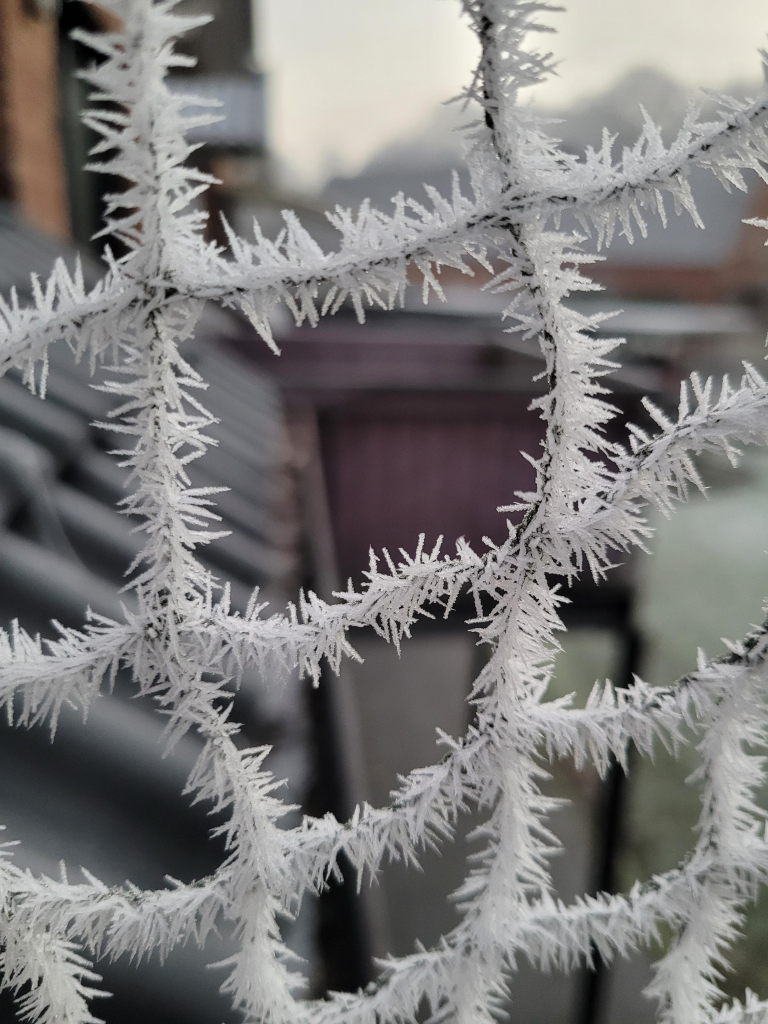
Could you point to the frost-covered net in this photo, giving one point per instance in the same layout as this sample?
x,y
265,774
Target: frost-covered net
x,y
184,646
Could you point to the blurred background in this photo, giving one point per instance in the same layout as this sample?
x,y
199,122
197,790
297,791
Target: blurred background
x,y
368,436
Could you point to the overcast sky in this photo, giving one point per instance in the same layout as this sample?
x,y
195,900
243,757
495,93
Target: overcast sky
x,y
348,76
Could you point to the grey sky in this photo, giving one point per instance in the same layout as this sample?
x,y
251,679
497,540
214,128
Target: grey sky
x,y
347,76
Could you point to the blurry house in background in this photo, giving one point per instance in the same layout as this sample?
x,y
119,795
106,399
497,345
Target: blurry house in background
x,y
726,263
421,418
422,414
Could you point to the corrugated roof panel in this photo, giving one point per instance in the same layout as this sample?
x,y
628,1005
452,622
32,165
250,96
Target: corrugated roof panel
x,y
103,796
391,473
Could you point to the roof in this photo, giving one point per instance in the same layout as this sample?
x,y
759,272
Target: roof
x,y
467,304
25,251
102,796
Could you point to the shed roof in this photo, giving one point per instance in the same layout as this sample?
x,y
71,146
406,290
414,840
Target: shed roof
x,y
102,796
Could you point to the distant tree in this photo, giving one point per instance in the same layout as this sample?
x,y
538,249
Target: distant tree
x,y
185,647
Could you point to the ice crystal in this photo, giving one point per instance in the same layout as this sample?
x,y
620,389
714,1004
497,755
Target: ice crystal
x,y
183,646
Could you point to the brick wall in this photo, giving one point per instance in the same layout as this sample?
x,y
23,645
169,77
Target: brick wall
x,y
33,158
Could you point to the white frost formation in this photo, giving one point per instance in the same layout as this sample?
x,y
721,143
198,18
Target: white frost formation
x,y
589,501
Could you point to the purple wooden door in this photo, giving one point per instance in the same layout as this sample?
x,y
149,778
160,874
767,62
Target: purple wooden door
x,y
401,466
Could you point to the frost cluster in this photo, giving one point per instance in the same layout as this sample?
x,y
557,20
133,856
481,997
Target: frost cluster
x,y
185,647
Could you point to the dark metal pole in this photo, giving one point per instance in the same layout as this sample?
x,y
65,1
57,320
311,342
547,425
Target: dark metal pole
x,y
345,919
609,822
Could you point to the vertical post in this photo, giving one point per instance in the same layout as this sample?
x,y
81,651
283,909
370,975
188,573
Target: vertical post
x,y
608,826
255,37
352,926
